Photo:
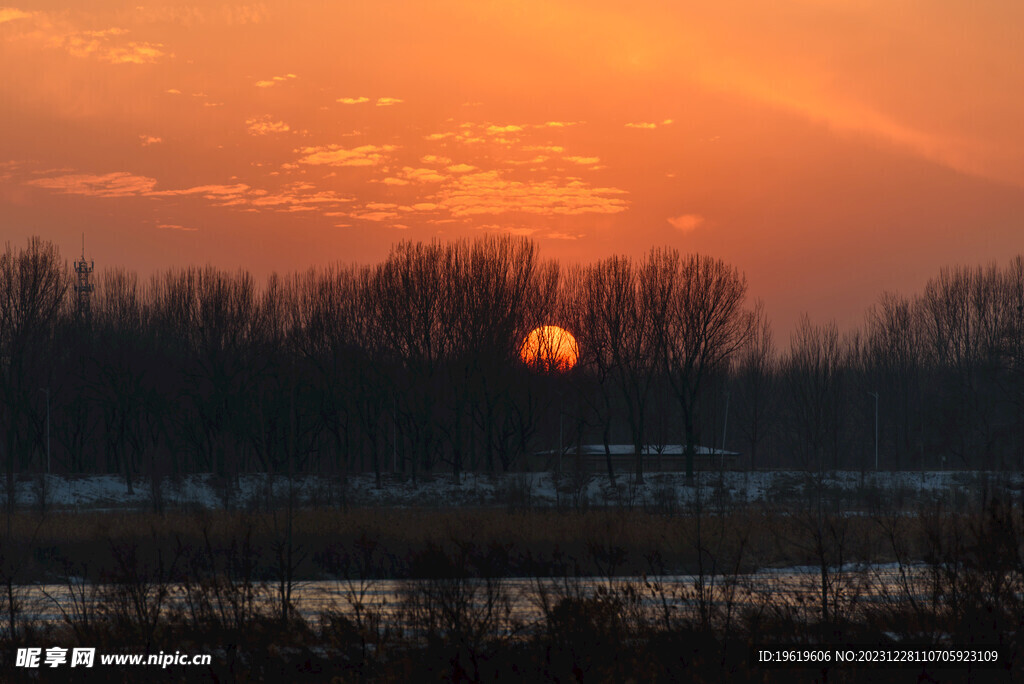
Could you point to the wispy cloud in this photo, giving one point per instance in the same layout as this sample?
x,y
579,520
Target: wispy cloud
x,y
148,140
175,226
336,155
274,81
686,222
117,184
264,125
231,14
353,100
12,13
292,197
221,195
409,174
108,46
584,160
388,101
489,192
642,124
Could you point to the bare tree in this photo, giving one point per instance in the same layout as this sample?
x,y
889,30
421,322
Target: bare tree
x,y
33,283
707,325
756,375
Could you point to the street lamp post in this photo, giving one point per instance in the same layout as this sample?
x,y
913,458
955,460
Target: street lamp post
x,y
46,390
875,395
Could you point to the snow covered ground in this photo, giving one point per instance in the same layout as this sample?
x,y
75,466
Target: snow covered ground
x,y
661,491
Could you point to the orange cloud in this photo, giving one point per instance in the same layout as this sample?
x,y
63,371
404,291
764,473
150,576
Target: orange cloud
x,y
642,124
117,184
488,192
263,125
12,13
107,46
510,128
410,174
148,140
352,100
274,81
686,222
388,101
336,155
174,226
376,216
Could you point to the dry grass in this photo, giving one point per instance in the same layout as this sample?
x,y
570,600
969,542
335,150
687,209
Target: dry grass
x,y
743,540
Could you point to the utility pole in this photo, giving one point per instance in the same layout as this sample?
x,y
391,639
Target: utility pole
x,y
875,395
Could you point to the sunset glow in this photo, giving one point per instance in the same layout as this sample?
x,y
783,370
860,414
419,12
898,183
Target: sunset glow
x,y
550,348
830,150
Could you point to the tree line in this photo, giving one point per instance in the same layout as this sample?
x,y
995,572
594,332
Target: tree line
x,y
413,365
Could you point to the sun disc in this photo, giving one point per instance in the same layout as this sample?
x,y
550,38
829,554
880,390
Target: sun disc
x,y
550,348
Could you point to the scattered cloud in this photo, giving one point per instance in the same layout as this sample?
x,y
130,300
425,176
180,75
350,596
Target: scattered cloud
x,y
408,174
221,195
336,155
353,100
197,13
388,101
686,222
264,125
173,91
291,197
376,216
148,140
108,46
642,124
510,128
561,124
438,136
584,160
12,13
117,184
461,168
175,226
489,192
300,197
434,159
274,81
511,230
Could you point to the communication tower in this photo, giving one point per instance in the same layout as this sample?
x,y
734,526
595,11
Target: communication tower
x,y
83,288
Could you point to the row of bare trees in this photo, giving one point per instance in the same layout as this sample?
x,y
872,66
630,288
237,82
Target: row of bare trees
x,y
414,365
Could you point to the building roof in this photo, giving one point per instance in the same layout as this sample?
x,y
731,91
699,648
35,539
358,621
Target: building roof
x,y
649,450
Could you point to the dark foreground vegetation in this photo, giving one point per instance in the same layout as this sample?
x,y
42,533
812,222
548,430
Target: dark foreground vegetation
x,y
412,365
227,584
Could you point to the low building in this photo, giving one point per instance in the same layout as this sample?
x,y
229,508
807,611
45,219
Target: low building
x,y
669,458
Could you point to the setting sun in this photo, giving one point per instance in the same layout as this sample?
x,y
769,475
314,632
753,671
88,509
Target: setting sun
x,y
550,348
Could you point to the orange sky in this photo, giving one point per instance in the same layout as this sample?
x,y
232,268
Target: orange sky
x,y
831,149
